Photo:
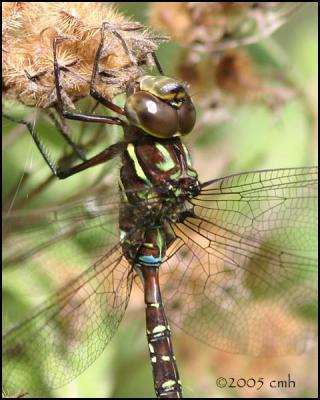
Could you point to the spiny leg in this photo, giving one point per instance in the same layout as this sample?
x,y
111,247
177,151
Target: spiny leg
x,y
35,138
61,128
156,61
107,154
113,150
93,92
110,152
95,71
60,105
24,178
112,28
131,27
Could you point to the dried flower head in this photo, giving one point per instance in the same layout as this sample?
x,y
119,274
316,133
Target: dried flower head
x,y
29,29
232,72
232,78
235,75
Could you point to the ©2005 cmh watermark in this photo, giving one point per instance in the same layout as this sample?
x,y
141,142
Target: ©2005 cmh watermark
x,y
255,383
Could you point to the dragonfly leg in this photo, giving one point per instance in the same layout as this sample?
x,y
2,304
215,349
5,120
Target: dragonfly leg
x,y
62,129
112,28
129,27
158,65
116,36
95,71
39,144
60,105
105,155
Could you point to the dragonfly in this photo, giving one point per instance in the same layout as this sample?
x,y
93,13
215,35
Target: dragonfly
x,y
210,257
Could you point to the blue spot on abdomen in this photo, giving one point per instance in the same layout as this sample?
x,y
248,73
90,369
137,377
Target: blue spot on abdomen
x,y
149,261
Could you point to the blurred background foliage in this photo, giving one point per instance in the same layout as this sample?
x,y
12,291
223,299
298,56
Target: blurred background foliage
x,y
262,115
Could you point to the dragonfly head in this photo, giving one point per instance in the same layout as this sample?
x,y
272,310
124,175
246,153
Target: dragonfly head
x,y
160,106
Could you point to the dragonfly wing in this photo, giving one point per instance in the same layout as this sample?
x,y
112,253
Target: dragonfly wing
x,y
64,251
239,275
48,247
65,334
31,228
279,205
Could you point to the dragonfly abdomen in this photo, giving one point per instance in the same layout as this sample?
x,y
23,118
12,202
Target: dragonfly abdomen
x,y
151,252
166,376
165,372
147,261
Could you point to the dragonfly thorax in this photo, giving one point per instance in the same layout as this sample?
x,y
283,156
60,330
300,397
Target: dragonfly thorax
x,y
157,170
156,181
160,106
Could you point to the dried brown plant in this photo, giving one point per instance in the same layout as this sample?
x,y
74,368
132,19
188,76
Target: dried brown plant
x,y
29,29
215,26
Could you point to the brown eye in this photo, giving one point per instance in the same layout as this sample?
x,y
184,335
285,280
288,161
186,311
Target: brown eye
x,y
152,115
187,117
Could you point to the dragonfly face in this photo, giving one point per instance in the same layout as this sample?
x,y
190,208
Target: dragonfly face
x,y
160,106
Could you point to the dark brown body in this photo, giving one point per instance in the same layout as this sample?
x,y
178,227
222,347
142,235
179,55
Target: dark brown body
x,y
161,170
166,376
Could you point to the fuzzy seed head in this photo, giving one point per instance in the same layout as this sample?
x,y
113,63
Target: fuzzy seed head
x,y
29,29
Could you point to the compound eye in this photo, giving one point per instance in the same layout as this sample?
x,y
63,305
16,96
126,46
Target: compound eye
x,y
187,117
152,115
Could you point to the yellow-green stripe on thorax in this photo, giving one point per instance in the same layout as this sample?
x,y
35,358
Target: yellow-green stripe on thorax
x,y
168,162
157,162
190,171
139,171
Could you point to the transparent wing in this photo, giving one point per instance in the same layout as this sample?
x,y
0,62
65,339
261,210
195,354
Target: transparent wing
x,y
90,222
278,204
28,232
241,275
62,336
69,331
